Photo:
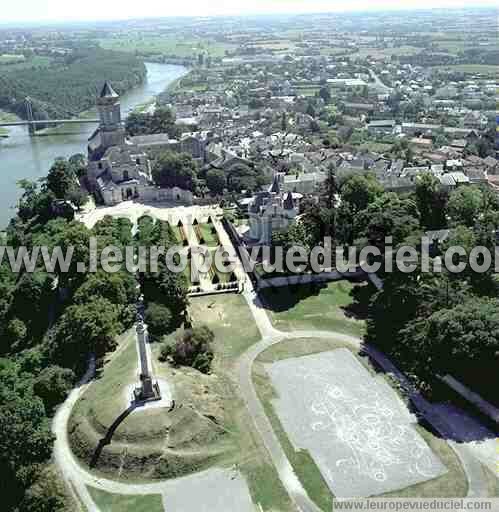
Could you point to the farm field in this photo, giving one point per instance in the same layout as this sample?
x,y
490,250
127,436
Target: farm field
x,y
482,69
163,45
379,53
8,63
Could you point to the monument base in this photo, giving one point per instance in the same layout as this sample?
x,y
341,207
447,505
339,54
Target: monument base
x,y
148,392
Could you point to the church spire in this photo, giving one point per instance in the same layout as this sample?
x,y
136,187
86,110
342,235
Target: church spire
x,y
275,188
108,91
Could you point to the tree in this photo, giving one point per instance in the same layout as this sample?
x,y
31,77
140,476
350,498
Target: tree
x,y
319,219
463,340
115,231
78,163
389,216
119,288
310,110
53,384
61,179
46,494
360,190
464,205
431,199
35,203
175,170
158,319
215,181
193,348
325,94
84,329
30,301
15,334
482,283
26,440
169,289
242,177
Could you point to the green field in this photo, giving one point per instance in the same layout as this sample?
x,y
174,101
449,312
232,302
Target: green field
x,y
312,307
481,69
6,117
229,317
452,484
6,64
307,90
335,51
11,59
457,46
379,53
120,503
164,45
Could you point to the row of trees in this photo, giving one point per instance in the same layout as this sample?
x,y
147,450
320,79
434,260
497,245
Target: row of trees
x,y
162,120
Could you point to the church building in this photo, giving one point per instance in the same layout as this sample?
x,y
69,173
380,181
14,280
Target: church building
x,y
119,168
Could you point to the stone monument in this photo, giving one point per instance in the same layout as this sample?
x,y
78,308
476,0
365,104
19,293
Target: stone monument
x,y
148,391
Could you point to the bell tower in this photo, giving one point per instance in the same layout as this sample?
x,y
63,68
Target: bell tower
x,y
111,127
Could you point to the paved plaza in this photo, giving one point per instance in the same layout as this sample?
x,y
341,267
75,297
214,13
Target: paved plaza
x,y
216,490
358,431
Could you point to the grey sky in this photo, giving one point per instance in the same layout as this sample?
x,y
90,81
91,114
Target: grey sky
x,y
64,10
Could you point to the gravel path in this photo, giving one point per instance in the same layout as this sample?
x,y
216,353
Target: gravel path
x,y
78,478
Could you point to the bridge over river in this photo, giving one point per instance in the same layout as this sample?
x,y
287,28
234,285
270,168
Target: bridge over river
x,y
32,123
23,157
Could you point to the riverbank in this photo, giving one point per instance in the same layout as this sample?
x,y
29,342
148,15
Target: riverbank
x,y
6,117
143,107
31,157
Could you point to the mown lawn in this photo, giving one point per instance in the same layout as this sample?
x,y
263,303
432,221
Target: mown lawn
x,y
210,238
327,307
107,502
229,317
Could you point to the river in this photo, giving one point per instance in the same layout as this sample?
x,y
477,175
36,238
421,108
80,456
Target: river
x,y
24,157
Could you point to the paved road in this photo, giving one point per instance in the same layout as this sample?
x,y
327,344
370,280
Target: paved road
x,y
381,86
219,487
78,478
477,484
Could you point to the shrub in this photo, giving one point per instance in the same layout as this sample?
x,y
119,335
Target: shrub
x,y
193,348
158,319
53,384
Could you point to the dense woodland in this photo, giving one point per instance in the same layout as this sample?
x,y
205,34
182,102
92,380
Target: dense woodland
x,y
70,84
51,323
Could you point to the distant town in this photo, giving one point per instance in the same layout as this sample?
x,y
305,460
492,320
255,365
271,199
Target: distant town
x,y
248,386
